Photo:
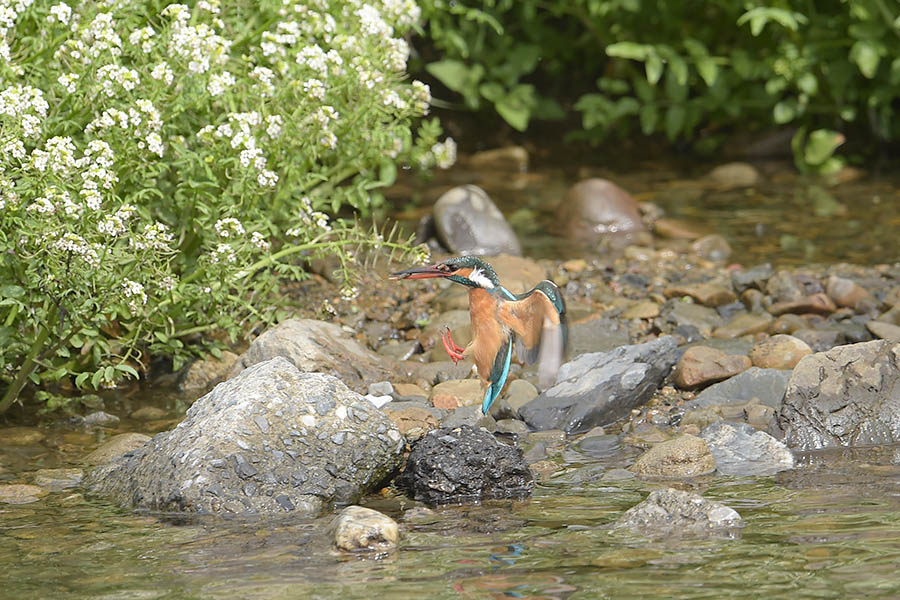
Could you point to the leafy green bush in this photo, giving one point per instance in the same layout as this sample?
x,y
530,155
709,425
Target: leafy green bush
x,y
162,164
693,71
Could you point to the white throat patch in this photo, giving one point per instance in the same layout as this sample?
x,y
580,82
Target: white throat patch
x,y
478,276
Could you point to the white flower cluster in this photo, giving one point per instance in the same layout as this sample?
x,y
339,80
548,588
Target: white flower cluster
x,y
116,224
76,245
97,172
142,37
199,44
265,76
112,75
155,236
259,241
68,81
61,13
240,131
309,219
143,121
219,82
223,253
135,294
163,72
229,226
27,104
445,153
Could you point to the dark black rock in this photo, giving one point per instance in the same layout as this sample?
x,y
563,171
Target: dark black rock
x,y
268,441
847,396
740,449
449,466
602,387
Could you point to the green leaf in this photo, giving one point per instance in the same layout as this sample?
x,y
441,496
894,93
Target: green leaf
x,y
866,55
630,50
784,111
11,291
761,15
675,118
821,145
514,111
653,68
492,91
82,377
649,116
808,84
127,369
96,378
708,70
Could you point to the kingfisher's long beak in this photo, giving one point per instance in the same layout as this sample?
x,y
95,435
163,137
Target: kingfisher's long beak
x,y
428,272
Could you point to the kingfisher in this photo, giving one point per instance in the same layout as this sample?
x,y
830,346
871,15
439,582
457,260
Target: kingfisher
x,y
534,321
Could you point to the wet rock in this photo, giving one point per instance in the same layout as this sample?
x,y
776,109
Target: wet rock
x,y
20,493
464,465
272,440
148,413
820,340
471,416
596,335
58,479
779,352
98,419
468,222
413,420
669,512
677,229
734,175
599,388
513,426
396,350
20,436
409,391
884,331
518,394
319,347
767,386
848,396
645,309
508,158
687,314
359,529
115,447
436,372
450,395
683,456
753,300
845,292
714,248
702,365
753,278
380,388
741,450
744,324
596,208
707,294
203,374
782,287
818,304
788,323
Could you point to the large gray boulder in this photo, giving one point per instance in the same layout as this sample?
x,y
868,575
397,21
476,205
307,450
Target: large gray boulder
x,y
847,396
272,440
468,222
602,387
319,347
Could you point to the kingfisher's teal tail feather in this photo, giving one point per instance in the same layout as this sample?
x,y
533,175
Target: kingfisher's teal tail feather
x,y
499,373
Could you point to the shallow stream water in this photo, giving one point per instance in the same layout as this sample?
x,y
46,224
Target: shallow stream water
x,y
828,529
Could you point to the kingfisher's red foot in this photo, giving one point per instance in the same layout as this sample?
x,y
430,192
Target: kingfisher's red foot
x,y
453,350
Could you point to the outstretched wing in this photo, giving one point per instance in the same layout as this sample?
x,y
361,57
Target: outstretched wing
x,y
538,317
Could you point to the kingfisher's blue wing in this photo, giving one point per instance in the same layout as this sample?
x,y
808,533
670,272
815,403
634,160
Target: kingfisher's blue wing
x,y
499,373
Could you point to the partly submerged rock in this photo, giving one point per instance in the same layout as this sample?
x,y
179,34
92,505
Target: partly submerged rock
x,y
319,347
669,512
847,396
468,222
683,456
360,529
599,388
739,449
464,464
115,447
272,440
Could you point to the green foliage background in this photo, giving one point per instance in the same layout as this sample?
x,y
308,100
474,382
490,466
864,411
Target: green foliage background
x,y
693,71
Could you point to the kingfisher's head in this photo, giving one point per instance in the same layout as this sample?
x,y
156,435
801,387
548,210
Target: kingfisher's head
x,y
470,271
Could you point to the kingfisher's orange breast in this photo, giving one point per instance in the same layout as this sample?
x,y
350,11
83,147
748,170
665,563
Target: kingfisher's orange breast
x,y
487,332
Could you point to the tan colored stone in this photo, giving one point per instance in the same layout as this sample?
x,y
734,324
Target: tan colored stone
x,y
701,365
683,456
788,323
409,389
362,529
885,331
707,294
743,324
445,401
115,447
468,392
412,421
645,309
779,352
575,265
677,229
845,292
19,493
20,436
819,304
